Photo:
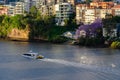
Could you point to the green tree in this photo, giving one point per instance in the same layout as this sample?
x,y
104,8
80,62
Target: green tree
x,y
5,26
88,1
16,21
110,23
1,18
71,23
33,11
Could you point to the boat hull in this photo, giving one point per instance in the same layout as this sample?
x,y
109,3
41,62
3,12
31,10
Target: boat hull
x,y
33,57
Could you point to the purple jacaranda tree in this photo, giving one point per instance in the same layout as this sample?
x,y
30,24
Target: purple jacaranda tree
x,y
91,30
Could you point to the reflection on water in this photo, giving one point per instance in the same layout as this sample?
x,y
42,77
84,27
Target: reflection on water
x,y
95,68
61,62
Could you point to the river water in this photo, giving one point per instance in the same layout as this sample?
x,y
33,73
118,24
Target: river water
x,y
61,62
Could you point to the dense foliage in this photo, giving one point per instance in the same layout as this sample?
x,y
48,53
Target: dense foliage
x,y
40,27
110,23
92,34
115,45
92,30
7,23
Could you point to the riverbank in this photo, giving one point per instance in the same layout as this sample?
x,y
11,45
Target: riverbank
x,y
46,41
23,40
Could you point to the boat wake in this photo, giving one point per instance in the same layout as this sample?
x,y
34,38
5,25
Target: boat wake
x,y
109,70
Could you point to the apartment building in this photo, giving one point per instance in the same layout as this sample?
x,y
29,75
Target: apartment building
x,y
52,2
88,13
62,12
104,12
47,7
19,8
11,10
27,5
80,12
61,1
87,16
16,8
102,5
47,10
116,10
73,2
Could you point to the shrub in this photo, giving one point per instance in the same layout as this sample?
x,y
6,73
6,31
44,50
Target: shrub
x,y
115,45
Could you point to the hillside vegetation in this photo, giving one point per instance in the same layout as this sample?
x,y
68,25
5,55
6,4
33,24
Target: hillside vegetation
x,y
34,26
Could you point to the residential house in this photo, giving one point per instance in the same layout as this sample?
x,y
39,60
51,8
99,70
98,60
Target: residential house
x,y
83,33
111,33
69,34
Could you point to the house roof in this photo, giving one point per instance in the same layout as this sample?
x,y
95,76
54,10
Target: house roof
x,y
116,7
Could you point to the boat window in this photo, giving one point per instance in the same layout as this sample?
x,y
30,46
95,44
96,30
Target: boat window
x,y
27,54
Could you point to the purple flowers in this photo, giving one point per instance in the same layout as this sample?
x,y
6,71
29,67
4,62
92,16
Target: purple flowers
x,y
90,30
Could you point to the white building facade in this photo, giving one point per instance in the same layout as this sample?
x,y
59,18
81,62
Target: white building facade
x,y
19,8
62,11
87,15
15,8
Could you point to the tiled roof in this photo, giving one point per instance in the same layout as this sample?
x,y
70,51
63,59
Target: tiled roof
x,y
116,6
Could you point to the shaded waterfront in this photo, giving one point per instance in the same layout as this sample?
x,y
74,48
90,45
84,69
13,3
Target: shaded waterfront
x,y
62,62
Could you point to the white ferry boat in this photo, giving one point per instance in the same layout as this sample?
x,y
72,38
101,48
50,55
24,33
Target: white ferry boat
x,y
33,55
